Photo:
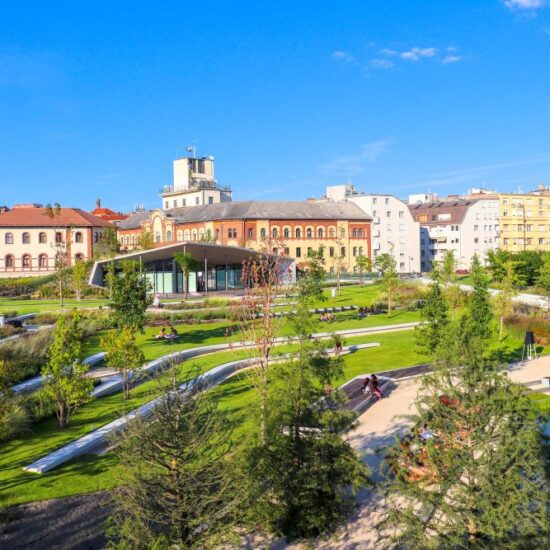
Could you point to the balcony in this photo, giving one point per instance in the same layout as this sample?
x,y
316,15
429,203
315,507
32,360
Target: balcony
x,y
195,184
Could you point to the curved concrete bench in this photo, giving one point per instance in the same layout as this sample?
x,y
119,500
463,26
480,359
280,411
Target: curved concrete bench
x,y
99,437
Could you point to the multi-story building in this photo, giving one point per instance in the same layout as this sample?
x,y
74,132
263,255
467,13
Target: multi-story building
x,y
194,184
525,220
394,231
31,237
467,227
341,229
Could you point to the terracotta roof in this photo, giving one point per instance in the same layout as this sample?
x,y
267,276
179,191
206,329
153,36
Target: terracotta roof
x,y
36,217
257,210
108,214
429,213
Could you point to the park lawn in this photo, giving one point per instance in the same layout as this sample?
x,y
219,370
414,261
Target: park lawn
x,y
35,306
91,472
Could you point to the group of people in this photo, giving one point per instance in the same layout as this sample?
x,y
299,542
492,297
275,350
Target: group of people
x,y
371,386
363,311
165,335
329,317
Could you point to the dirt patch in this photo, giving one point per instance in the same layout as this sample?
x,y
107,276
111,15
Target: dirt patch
x,y
64,524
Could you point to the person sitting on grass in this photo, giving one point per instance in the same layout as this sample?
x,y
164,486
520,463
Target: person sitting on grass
x,y
161,335
375,387
173,333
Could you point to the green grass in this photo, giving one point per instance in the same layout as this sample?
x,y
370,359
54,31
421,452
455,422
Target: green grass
x,y
541,402
33,306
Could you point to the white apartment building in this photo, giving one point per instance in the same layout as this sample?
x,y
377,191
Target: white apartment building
x,y
394,230
194,184
30,239
467,227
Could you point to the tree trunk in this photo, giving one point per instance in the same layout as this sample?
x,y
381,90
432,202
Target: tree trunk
x,y
389,304
62,416
501,326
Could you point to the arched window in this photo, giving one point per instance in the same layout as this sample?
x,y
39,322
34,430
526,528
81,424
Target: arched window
x,y
42,239
360,251
355,232
201,233
194,235
343,252
360,232
274,232
9,262
79,257
157,237
286,232
187,234
78,237
169,236
26,238
309,232
8,239
179,235
133,239
354,251
343,232
298,232
320,232
26,260
96,237
332,232
262,233
42,260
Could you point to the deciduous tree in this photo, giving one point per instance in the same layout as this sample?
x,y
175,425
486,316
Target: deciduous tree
x,y
187,263
79,276
386,264
364,263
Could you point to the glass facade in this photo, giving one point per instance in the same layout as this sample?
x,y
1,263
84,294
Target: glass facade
x,y
166,277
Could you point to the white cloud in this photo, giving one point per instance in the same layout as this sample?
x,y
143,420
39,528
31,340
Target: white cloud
x,y
350,165
452,59
415,54
524,4
381,63
343,56
388,52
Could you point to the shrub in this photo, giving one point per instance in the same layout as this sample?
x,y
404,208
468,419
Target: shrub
x,y
14,418
10,330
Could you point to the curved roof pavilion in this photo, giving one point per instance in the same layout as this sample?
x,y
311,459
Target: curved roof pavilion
x,y
220,267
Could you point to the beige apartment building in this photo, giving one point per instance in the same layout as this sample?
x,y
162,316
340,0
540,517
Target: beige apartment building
x,y
30,239
525,220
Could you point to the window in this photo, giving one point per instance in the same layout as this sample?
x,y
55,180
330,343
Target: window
x,y
187,234
210,200
157,237
343,252
374,200
183,202
541,240
78,237
42,260
287,251
298,233
232,233
386,200
286,232
79,257
401,213
9,261
179,235
96,237
8,239
26,238
194,235
355,232
361,233
331,252
250,233
360,251
320,233
309,251
175,202
26,260
332,232
298,252
274,232
196,200
262,232
169,236
342,232
59,237
354,251
309,232
166,205
388,214
42,237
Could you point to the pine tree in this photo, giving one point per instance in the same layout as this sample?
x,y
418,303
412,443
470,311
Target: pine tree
x,y
175,470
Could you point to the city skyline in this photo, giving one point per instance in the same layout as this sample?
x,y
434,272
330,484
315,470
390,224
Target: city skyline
x,y
396,99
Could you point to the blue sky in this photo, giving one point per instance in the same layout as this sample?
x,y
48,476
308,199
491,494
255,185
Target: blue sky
x,y
97,98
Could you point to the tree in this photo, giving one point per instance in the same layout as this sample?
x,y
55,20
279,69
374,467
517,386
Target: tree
x,y
472,472
447,273
65,377
496,261
364,263
145,241
263,278
302,477
187,264
435,317
108,245
385,263
208,237
130,297
176,488
312,282
543,279
338,259
79,277
503,300
60,261
123,355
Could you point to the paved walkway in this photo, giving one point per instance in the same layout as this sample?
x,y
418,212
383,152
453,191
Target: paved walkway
x,y
376,429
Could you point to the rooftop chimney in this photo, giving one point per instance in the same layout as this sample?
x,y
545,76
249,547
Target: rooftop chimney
x,y
98,203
